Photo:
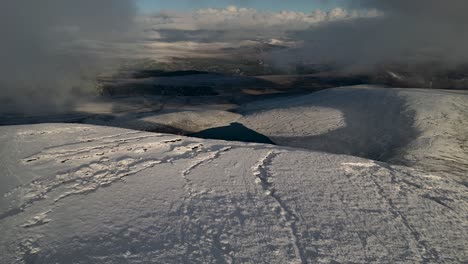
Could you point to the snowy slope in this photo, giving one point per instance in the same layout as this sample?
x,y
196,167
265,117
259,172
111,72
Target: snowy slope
x,y
424,128
441,117
88,194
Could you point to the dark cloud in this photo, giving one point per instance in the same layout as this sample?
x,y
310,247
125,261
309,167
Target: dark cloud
x,y
44,49
409,31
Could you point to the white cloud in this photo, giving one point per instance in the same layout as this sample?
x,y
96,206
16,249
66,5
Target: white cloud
x,y
234,18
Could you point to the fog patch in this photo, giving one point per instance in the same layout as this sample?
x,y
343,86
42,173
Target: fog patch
x,y
48,50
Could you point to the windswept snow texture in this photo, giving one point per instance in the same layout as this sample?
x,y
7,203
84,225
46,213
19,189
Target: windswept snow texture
x,y
421,128
88,194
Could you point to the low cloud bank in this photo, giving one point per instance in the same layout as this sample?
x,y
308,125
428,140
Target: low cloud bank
x,y
362,34
414,32
249,22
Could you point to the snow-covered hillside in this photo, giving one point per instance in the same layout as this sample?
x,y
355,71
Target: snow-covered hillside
x,y
422,128
89,194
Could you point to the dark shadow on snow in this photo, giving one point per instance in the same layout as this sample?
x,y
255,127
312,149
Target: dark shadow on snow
x,y
378,126
233,132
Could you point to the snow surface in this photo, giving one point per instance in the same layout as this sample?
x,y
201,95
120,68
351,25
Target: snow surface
x,y
188,121
89,194
442,119
361,121
422,128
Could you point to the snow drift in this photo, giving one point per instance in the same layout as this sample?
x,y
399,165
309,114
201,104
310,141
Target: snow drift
x,y
81,194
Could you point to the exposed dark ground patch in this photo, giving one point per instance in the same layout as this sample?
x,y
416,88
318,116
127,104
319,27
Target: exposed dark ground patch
x,y
233,132
160,73
154,89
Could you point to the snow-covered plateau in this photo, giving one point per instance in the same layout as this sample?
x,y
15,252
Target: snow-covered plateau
x,y
81,193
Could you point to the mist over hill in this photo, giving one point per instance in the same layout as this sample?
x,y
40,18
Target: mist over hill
x,y
47,49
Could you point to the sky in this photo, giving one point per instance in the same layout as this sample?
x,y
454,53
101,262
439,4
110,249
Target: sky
x,y
266,5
